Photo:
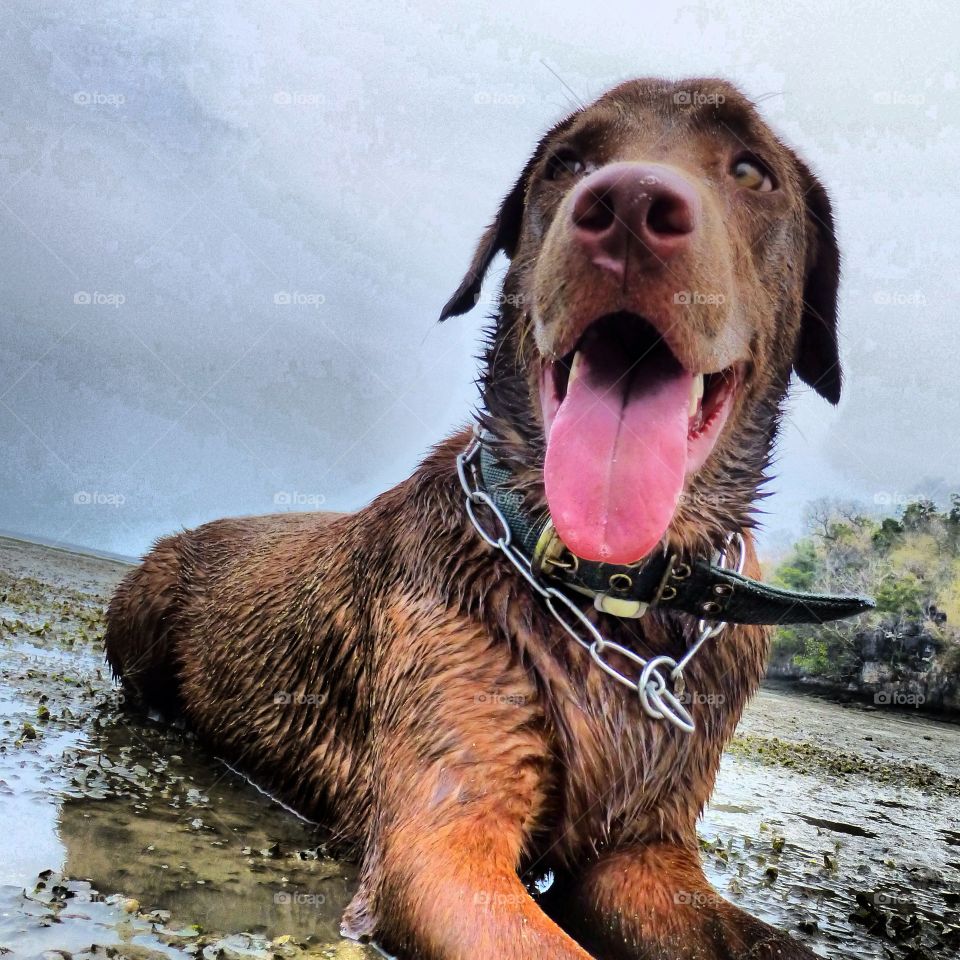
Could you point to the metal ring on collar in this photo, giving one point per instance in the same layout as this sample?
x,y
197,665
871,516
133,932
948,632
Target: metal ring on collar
x,y
734,539
652,684
670,708
656,698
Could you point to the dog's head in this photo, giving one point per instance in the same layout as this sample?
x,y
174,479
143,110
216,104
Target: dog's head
x,y
671,262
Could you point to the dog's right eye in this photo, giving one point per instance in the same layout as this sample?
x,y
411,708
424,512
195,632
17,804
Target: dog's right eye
x,y
752,174
564,163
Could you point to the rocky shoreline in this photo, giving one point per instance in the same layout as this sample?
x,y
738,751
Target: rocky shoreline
x,y
880,686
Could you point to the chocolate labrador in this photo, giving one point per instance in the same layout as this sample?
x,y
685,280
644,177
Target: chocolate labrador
x,y
488,674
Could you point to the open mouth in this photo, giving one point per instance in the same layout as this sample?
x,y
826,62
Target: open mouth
x,y
625,425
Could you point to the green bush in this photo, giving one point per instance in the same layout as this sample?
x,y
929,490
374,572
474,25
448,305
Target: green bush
x,y
910,564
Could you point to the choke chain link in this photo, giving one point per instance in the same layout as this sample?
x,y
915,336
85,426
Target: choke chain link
x,y
657,698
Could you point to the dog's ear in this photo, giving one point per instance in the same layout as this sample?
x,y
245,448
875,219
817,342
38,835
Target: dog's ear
x,y
817,358
503,234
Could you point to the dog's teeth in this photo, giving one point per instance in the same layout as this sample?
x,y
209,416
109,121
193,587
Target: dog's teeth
x,y
574,369
696,394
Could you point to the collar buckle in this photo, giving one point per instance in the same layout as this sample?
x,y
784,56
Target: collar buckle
x,y
551,552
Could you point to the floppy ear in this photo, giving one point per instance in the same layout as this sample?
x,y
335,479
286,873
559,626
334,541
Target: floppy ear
x,y
817,358
503,234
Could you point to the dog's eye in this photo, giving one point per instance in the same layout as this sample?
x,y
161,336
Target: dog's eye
x,y
751,174
564,163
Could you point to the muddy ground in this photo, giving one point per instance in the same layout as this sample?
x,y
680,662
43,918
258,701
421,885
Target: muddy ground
x,y
119,837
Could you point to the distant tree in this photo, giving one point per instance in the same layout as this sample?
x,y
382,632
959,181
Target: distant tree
x,y
799,571
902,596
888,535
918,515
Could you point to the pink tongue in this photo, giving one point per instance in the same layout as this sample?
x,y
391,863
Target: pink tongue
x,y
617,453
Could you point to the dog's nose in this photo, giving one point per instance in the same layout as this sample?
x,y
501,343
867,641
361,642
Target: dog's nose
x,y
646,210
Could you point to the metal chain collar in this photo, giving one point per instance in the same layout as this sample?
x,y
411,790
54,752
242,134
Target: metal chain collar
x,y
657,698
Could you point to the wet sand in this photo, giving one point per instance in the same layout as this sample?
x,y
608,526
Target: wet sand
x,y
121,837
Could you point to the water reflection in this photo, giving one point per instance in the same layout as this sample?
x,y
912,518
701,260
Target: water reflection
x,y
193,838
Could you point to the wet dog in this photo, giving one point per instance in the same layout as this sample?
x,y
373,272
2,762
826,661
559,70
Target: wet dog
x,y
672,262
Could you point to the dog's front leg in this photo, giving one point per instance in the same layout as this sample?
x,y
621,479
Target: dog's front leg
x,y
450,892
459,773
653,902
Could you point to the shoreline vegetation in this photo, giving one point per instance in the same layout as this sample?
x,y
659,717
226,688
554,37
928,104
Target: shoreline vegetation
x,y
906,653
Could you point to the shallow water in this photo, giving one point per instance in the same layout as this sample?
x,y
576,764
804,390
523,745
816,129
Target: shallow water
x,y
119,836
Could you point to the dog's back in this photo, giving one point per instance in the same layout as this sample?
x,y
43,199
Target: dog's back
x,y
147,611
139,619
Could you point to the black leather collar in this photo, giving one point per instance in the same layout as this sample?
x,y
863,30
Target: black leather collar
x,y
697,586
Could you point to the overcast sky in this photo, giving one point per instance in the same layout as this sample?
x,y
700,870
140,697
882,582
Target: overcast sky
x,y
227,228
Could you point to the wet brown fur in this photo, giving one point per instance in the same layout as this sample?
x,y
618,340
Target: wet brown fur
x,y
388,674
